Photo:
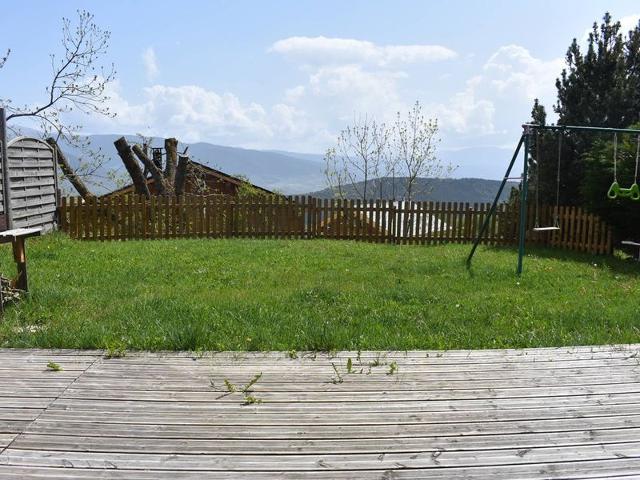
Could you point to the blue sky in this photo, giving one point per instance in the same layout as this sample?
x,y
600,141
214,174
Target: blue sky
x,y
290,74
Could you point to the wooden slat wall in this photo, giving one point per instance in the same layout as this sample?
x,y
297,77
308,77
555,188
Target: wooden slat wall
x,y
32,183
302,217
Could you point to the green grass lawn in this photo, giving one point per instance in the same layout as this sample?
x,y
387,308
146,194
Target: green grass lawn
x,y
314,295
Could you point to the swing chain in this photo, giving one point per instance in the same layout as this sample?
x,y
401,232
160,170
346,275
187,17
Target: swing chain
x,y
538,163
556,219
635,178
615,157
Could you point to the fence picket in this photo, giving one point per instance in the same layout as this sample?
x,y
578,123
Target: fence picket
x,y
303,217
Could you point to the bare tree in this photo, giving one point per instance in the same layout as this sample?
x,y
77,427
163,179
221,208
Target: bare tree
x,y
415,139
368,152
335,173
358,158
3,60
78,84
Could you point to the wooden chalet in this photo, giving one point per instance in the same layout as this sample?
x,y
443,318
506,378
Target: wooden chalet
x,y
201,179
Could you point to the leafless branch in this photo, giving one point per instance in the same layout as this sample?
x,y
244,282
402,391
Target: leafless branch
x,y
78,84
3,60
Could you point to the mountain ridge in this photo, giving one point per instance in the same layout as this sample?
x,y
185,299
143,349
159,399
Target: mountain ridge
x,y
466,190
288,172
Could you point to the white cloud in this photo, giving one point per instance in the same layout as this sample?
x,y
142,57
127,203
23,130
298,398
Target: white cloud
x,y
629,23
501,94
193,113
512,69
150,63
292,95
491,100
324,50
465,112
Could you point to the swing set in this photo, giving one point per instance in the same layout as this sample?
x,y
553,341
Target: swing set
x,y
528,130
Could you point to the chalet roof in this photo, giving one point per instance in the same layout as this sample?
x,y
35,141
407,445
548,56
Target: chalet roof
x,y
208,170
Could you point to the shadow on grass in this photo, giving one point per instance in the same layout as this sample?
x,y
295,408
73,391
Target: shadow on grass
x,y
624,266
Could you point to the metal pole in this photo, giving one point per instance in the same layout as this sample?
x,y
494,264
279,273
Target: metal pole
x,y
523,202
492,210
6,185
578,128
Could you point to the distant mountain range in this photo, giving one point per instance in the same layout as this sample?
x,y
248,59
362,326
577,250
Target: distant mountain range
x,y
434,189
301,173
276,170
283,171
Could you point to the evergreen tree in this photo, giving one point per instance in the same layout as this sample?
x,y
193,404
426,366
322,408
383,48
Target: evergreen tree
x,y
543,162
622,213
598,87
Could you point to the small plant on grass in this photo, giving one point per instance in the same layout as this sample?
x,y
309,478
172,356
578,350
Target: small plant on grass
x,y
393,368
252,382
292,354
246,390
115,350
338,378
250,400
231,388
376,361
54,367
198,353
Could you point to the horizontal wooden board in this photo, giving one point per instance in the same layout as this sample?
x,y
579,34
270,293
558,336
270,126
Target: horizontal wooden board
x,y
428,458
542,413
103,443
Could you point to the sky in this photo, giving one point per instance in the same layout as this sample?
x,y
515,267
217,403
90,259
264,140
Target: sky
x,y
290,74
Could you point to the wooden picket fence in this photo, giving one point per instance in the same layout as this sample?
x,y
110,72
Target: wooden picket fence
x,y
136,217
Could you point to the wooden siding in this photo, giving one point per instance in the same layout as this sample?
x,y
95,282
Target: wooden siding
x,y
32,183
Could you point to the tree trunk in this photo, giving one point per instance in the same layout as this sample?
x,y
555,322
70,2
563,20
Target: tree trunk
x,y
181,174
161,184
68,172
145,149
171,148
132,166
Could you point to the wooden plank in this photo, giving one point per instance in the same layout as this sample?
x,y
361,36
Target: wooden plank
x,y
63,213
285,430
127,215
571,469
359,219
95,227
335,461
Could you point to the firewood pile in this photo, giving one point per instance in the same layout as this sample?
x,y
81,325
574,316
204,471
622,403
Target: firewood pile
x,y
9,292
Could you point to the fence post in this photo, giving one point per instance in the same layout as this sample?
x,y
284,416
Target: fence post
x,y
311,225
392,222
6,180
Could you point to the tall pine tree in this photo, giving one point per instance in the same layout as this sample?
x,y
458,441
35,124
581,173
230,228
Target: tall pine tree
x,y
598,87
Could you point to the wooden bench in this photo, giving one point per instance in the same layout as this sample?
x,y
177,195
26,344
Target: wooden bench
x,y
17,237
632,244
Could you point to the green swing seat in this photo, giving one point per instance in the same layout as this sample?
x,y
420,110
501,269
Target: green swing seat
x,y
616,191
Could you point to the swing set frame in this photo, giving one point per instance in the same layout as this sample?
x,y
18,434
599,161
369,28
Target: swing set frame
x,y
524,144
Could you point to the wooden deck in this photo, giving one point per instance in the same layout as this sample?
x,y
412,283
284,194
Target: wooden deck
x,y
498,414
